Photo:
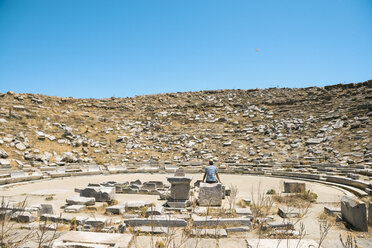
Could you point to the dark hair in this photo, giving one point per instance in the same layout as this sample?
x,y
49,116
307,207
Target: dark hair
x,y
210,162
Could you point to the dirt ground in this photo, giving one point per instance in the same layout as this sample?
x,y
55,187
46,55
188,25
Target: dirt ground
x,y
248,187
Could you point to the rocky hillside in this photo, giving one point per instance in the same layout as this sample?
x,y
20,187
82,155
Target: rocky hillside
x,y
329,124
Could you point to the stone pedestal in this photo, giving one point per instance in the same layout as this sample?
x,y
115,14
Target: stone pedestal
x,y
180,189
210,194
294,187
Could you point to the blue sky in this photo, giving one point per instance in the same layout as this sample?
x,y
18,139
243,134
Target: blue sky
x,y
89,48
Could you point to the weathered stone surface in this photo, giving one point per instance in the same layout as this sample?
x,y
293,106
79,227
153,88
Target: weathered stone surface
x,y
289,212
116,209
294,187
278,225
96,222
74,208
208,221
166,221
101,194
46,208
151,229
80,200
154,210
92,239
243,211
238,229
210,194
24,217
332,210
180,187
136,204
354,212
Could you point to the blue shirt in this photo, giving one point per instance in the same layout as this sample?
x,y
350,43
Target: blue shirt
x,y
211,172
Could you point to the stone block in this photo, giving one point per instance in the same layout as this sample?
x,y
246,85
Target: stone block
x,y
148,186
207,221
46,208
354,212
24,217
80,200
243,211
332,210
165,221
177,204
238,229
278,225
116,209
74,208
101,194
137,204
289,212
96,222
210,194
294,187
92,240
154,210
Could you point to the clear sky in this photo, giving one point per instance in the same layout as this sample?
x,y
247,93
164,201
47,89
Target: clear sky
x,y
91,48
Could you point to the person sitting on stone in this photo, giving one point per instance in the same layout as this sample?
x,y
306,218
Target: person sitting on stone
x,y
211,174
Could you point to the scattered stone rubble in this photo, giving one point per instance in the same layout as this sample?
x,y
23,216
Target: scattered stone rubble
x,y
270,132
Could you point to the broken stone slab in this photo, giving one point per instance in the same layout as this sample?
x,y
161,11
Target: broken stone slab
x,y
137,182
278,225
155,220
137,204
151,229
154,210
209,233
332,210
294,187
243,211
208,221
116,209
24,217
210,194
285,233
288,212
101,194
148,186
92,240
80,200
74,208
158,184
238,229
96,222
180,204
354,212
46,208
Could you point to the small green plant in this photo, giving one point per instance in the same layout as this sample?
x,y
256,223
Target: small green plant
x,y
159,244
310,196
49,198
271,192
